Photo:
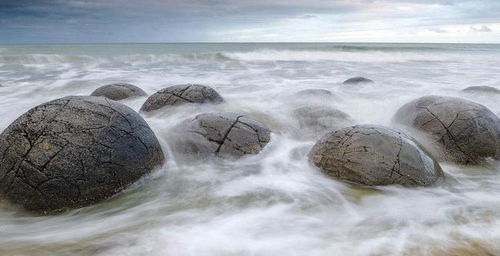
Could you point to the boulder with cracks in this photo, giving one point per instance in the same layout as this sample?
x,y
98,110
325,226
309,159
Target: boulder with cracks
x,y
453,129
119,91
227,135
181,94
74,151
315,121
374,155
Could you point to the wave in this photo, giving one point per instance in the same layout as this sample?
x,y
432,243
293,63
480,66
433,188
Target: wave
x,y
261,55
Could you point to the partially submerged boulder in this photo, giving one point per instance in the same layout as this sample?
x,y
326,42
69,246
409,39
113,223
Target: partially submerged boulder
x,y
374,155
314,93
182,94
315,121
454,129
73,152
357,80
482,89
227,135
119,91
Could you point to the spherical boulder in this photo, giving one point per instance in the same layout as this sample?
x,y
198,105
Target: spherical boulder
x,y
315,121
454,129
374,155
181,94
228,135
482,89
357,80
73,152
119,91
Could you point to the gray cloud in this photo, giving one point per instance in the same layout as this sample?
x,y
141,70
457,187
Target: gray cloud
x,y
483,28
200,20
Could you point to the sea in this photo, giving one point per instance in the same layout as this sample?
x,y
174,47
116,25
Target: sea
x,y
275,202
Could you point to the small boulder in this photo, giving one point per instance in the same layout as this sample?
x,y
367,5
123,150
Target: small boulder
x,y
482,89
357,80
315,121
454,129
374,155
227,135
182,94
119,91
73,152
314,93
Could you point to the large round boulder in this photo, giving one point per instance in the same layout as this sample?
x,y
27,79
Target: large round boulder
x,y
315,93
454,129
119,91
357,80
315,121
228,135
374,155
181,94
73,152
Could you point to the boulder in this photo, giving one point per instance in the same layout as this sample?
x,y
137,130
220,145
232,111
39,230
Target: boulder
x,y
374,155
118,91
315,121
314,93
454,129
73,152
181,94
228,135
357,80
482,89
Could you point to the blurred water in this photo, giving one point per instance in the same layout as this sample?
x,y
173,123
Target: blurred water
x,y
273,203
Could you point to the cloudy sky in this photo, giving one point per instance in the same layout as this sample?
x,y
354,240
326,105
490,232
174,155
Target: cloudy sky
x,y
67,21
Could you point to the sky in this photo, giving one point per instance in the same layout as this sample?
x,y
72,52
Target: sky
x,y
106,21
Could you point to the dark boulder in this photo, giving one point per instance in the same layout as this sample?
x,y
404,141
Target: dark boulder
x,y
227,135
119,91
357,80
73,152
482,89
453,129
374,155
315,121
181,94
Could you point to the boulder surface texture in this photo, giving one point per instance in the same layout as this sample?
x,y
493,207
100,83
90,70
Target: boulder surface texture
x,y
227,135
374,155
73,152
454,129
181,94
119,91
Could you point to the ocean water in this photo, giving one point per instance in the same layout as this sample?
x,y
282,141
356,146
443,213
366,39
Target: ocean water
x,y
273,203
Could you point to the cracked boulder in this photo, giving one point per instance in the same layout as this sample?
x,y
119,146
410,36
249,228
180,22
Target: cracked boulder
x,y
454,129
357,80
374,155
119,91
74,151
181,94
227,135
315,121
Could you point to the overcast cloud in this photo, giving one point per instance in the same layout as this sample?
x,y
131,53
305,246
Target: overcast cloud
x,y
52,21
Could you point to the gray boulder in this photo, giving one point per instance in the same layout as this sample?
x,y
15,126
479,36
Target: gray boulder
x,y
181,94
227,135
357,80
315,121
374,155
482,89
454,129
119,91
73,152
314,93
